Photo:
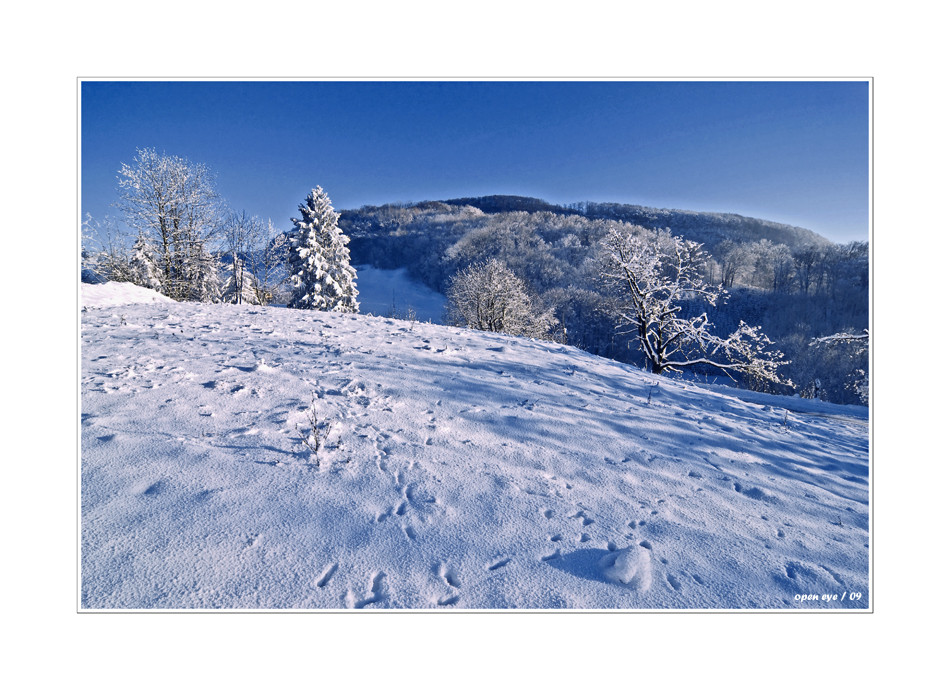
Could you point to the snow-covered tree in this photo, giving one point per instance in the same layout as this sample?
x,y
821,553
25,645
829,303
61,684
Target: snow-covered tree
x,y
241,286
142,267
242,236
269,264
173,202
858,343
201,278
655,276
319,261
487,296
105,252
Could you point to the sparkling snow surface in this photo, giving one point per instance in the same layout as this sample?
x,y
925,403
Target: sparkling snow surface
x,y
461,470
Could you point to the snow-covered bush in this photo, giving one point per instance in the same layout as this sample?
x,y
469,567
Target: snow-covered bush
x,y
487,296
144,271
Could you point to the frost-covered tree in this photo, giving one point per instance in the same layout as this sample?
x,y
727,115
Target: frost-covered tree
x,y
655,276
269,264
142,267
242,236
319,261
105,252
174,203
858,343
487,296
201,278
241,286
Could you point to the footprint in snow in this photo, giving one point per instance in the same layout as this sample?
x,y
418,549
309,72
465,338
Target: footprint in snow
x,y
325,576
378,592
582,516
448,574
499,564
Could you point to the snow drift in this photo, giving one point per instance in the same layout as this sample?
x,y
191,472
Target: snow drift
x,y
456,469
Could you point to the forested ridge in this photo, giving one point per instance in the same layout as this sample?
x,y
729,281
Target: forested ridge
x,y
793,283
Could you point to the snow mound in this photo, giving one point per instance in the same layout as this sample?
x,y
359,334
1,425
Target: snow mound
x,y
630,566
113,294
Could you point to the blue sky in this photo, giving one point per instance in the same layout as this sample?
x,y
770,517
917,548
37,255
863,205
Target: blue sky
x,y
793,152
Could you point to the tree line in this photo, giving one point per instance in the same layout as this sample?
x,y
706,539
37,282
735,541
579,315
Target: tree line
x,y
188,245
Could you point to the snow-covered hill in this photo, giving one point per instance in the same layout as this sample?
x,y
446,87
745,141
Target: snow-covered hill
x,y
461,470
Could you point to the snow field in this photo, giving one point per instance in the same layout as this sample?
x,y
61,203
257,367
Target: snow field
x,y
461,470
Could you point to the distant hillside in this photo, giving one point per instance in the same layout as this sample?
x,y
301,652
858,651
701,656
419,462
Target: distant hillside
x,y
700,226
792,282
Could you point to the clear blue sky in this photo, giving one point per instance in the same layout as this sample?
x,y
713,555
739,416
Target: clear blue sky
x,y
793,152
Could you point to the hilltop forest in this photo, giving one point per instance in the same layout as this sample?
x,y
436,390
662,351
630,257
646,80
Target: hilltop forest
x,y
796,285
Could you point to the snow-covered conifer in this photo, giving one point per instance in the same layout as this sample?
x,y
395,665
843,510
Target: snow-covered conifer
x,y
142,266
319,261
201,275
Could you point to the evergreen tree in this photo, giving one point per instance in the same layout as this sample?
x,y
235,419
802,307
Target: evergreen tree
x,y
143,269
201,276
319,261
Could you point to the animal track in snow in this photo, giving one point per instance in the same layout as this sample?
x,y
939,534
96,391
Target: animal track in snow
x,y
149,488
582,516
448,574
377,592
499,564
326,575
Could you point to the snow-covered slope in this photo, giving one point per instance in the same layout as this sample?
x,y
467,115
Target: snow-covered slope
x,y
114,294
461,470
393,293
